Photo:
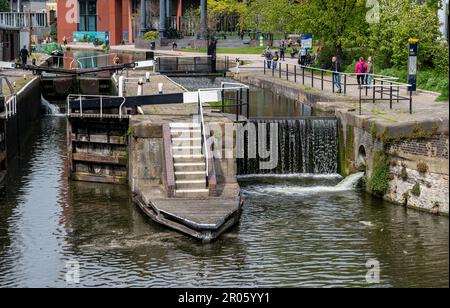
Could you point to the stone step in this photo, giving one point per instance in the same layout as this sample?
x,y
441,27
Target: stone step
x,y
190,184
190,166
187,150
189,175
192,193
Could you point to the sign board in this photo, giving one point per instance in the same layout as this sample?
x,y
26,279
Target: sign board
x,y
307,41
412,64
147,63
7,65
89,36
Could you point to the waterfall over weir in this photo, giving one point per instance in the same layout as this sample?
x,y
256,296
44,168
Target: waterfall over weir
x,y
308,145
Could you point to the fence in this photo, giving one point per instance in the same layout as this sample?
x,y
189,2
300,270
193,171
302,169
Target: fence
x,y
370,87
22,20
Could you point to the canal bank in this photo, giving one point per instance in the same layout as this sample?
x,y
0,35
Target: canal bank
x,y
413,148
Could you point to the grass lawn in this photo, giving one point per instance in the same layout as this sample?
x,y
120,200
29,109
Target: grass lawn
x,y
238,50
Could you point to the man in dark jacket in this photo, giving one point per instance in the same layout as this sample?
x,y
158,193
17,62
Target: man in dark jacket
x,y
24,55
336,68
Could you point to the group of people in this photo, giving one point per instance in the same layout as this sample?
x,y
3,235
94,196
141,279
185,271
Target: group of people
x,y
363,70
272,58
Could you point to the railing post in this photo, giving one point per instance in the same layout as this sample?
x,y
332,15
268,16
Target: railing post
x,y
390,96
332,82
273,71
101,107
237,105
321,85
382,89
279,71
248,103
287,71
295,73
223,100
374,91
345,83
312,78
303,75
360,101
265,64
410,101
240,100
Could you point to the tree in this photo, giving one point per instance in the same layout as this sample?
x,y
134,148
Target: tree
x,y
399,21
4,5
228,10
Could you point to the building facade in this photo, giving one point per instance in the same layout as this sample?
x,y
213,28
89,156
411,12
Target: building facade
x,y
86,20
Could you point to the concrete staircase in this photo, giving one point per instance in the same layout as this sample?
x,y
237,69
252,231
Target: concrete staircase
x,y
189,161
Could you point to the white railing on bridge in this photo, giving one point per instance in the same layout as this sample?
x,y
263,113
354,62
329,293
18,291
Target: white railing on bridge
x,y
22,20
10,105
81,98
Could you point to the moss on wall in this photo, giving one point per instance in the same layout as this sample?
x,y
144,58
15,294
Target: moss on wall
x,y
378,182
346,153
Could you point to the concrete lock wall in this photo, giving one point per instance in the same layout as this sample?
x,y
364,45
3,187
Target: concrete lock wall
x,y
418,167
28,111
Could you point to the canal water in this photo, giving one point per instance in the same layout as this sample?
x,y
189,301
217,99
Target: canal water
x,y
295,231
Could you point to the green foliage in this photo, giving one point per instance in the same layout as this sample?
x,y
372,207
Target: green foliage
x,y
422,167
150,35
416,190
378,183
220,9
399,21
4,6
373,130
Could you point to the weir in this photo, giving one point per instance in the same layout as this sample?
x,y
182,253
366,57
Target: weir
x,y
307,145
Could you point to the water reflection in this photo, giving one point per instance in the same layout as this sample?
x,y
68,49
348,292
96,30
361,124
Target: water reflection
x,y
283,239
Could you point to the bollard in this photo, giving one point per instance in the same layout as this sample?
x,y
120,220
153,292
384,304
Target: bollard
x,y
160,88
140,89
121,85
147,76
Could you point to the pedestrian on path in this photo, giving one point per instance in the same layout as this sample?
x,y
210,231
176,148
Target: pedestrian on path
x,y
275,60
24,54
361,70
268,55
370,71
282,51
336,68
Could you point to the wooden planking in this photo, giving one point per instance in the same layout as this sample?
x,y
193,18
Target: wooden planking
x,y
101,159
87,177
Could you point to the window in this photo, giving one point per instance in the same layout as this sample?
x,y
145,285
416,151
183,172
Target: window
x,y
88,15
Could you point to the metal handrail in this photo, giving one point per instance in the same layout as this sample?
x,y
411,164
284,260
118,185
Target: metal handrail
x,y
203,132
101,97
10,103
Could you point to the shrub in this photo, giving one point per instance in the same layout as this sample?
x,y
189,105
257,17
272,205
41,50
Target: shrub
x,y
150,35
378,182
416,190
373,130
422,167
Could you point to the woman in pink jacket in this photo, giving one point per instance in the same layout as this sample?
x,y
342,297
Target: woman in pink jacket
x,y
361,70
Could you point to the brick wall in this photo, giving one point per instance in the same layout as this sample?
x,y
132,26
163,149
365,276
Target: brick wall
x,y
437,147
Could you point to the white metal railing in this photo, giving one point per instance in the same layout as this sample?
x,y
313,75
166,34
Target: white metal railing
x,y
204,143
22,19
200,113
10,105
80,99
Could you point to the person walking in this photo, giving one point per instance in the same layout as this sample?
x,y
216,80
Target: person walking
x,y
282,51
361,70
268,55
336,68
275,60
24,54
370,71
